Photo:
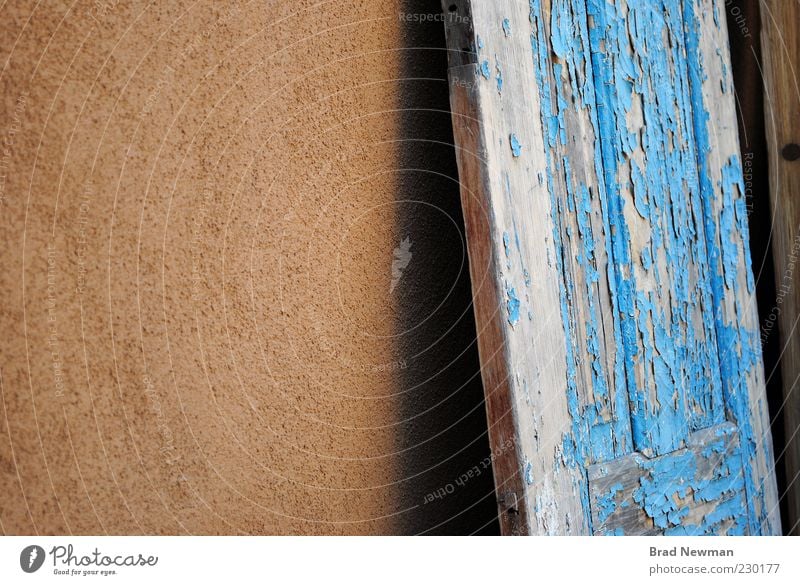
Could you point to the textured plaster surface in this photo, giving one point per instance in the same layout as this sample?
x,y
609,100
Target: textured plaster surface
x,y
210,323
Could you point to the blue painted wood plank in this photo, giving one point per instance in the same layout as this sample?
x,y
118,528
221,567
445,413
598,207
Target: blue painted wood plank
x,y
607,271
597,390
665,298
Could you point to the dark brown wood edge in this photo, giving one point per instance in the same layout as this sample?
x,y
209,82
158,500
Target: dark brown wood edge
x,y
478,219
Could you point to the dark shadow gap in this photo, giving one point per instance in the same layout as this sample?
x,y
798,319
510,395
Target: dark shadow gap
x,y
447,477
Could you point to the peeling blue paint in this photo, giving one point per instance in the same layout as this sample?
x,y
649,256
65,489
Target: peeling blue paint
x,y
507,249
671,363
739,350
485,69
529,473
607,502
704,482
601,429
512,306
670,374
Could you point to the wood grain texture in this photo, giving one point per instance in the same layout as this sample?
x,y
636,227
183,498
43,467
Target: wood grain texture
x,y
780,41
582,237
503,428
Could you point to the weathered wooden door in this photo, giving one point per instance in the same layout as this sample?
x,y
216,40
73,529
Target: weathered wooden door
x,y
607,232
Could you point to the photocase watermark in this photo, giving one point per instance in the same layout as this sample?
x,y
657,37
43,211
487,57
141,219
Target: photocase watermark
x,y
167,439
177,482
65,561
164,80
31,558
738,17
402,256
82,243
196,241
472,473
387,367
423,17
51,311
747,175
101,8
187,55
8,142
783,289
468,85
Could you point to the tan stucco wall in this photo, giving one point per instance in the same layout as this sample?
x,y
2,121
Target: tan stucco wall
x,y
200,206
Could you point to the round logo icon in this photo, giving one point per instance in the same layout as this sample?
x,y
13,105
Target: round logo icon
x,y
31,558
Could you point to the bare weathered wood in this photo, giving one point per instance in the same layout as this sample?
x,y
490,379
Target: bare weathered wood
x,y
694,491
503,430
780,41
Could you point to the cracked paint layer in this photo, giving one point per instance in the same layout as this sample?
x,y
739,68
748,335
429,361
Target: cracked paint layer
x,y
727,236
694,491
664,286
597,398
